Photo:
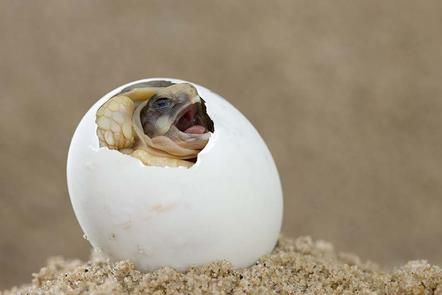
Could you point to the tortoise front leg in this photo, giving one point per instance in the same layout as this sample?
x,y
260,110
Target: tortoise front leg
x,y
114,123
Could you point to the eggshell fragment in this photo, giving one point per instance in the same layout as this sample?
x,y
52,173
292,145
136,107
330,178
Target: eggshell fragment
x,y
226,206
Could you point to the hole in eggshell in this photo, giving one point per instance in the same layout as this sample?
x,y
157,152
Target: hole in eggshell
x,y
158,122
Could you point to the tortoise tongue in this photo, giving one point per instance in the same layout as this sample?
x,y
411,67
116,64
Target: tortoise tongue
x,y
196,129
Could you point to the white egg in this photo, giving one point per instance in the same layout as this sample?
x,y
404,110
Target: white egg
x,y
226,206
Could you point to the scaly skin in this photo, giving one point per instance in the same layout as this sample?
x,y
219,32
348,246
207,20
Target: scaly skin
x,y
114,123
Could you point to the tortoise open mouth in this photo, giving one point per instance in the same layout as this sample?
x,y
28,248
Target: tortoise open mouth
x,y
194,120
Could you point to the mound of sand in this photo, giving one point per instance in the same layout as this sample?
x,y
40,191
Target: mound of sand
x,y
298,266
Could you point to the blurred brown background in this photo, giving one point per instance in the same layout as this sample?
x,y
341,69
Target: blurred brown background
x,y
347,94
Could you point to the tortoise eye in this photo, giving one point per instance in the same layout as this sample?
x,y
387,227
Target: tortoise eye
x,y
162,103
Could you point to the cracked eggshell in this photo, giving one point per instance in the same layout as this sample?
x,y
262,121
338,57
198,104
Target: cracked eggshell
x,y
227,206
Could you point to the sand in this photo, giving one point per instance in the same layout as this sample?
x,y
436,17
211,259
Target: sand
x,y
300,266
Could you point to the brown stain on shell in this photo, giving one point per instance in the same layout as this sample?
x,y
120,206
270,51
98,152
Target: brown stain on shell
x,y
162,207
